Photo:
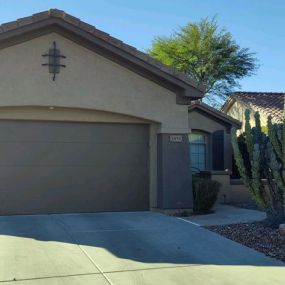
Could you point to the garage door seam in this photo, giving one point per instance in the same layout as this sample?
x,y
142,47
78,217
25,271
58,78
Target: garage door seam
x,y
60,223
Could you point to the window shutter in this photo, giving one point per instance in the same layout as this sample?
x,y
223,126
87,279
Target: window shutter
x,y
218,150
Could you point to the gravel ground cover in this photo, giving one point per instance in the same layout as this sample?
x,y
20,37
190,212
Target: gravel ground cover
x,y
255,235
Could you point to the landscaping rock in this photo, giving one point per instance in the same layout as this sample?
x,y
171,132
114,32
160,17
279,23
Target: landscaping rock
x,y
256,235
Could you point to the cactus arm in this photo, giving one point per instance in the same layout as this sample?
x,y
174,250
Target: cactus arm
x,y
258,131
238,158
276,167
256,174
273,136
248,134
252,184
283,136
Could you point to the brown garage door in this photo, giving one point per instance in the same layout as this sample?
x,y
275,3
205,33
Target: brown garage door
x,y
58,167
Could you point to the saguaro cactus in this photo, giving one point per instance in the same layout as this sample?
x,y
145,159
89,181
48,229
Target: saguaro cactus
x,y
264,178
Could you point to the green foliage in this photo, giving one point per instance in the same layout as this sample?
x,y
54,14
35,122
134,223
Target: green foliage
x,y
264,129
265,154
276,154
275,134
208,54
205,193
248,135
245,157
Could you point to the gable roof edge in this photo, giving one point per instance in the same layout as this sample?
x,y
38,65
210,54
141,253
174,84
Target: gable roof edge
x,y
192,89
216,113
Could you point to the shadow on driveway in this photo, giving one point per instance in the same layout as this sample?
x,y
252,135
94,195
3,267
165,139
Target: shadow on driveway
x,y
140,236
61,245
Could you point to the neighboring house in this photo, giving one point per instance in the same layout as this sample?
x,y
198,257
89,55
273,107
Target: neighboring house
x,y
209,138
88,123
266,103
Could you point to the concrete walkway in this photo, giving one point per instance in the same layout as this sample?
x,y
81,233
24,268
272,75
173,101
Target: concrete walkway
x,y
125,249
225,215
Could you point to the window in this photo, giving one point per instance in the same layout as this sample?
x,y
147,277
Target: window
x,y
197,142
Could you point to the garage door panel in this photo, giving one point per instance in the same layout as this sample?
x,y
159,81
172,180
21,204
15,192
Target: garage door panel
x,y
72,188
84,154
38,175
28,131
32,177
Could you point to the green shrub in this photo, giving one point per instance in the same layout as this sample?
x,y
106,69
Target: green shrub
x,y
205,193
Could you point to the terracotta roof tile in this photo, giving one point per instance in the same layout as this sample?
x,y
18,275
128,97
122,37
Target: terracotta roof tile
x,y
269,103
54,13
72,20
9,26
40,16
87,27
25,21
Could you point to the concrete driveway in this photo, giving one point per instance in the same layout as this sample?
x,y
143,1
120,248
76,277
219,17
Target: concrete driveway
x,y
125,248
225,214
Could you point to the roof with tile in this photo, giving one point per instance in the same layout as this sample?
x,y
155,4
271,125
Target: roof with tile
x,y
59,14
197,105
268,103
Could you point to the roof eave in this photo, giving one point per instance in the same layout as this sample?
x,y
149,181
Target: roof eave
x,y
216,113
186,90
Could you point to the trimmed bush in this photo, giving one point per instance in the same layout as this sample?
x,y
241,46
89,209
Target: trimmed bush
x,y
205,193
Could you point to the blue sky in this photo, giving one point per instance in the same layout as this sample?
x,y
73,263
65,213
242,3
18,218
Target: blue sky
x,y
256,24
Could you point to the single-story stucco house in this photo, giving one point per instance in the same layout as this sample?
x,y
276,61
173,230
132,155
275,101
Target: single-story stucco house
x,y
89,123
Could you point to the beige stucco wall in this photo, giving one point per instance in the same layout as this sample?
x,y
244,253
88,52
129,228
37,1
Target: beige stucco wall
x,y
201,122
88,81
65,114
90,89
232,193
237,112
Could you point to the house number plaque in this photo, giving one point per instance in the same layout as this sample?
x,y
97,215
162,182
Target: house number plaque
x,y
175,138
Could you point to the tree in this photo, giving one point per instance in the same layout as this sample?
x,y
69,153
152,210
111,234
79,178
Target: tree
x,y
265,155
207,54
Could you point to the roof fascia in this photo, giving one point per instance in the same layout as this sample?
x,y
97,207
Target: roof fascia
x,y
185,93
